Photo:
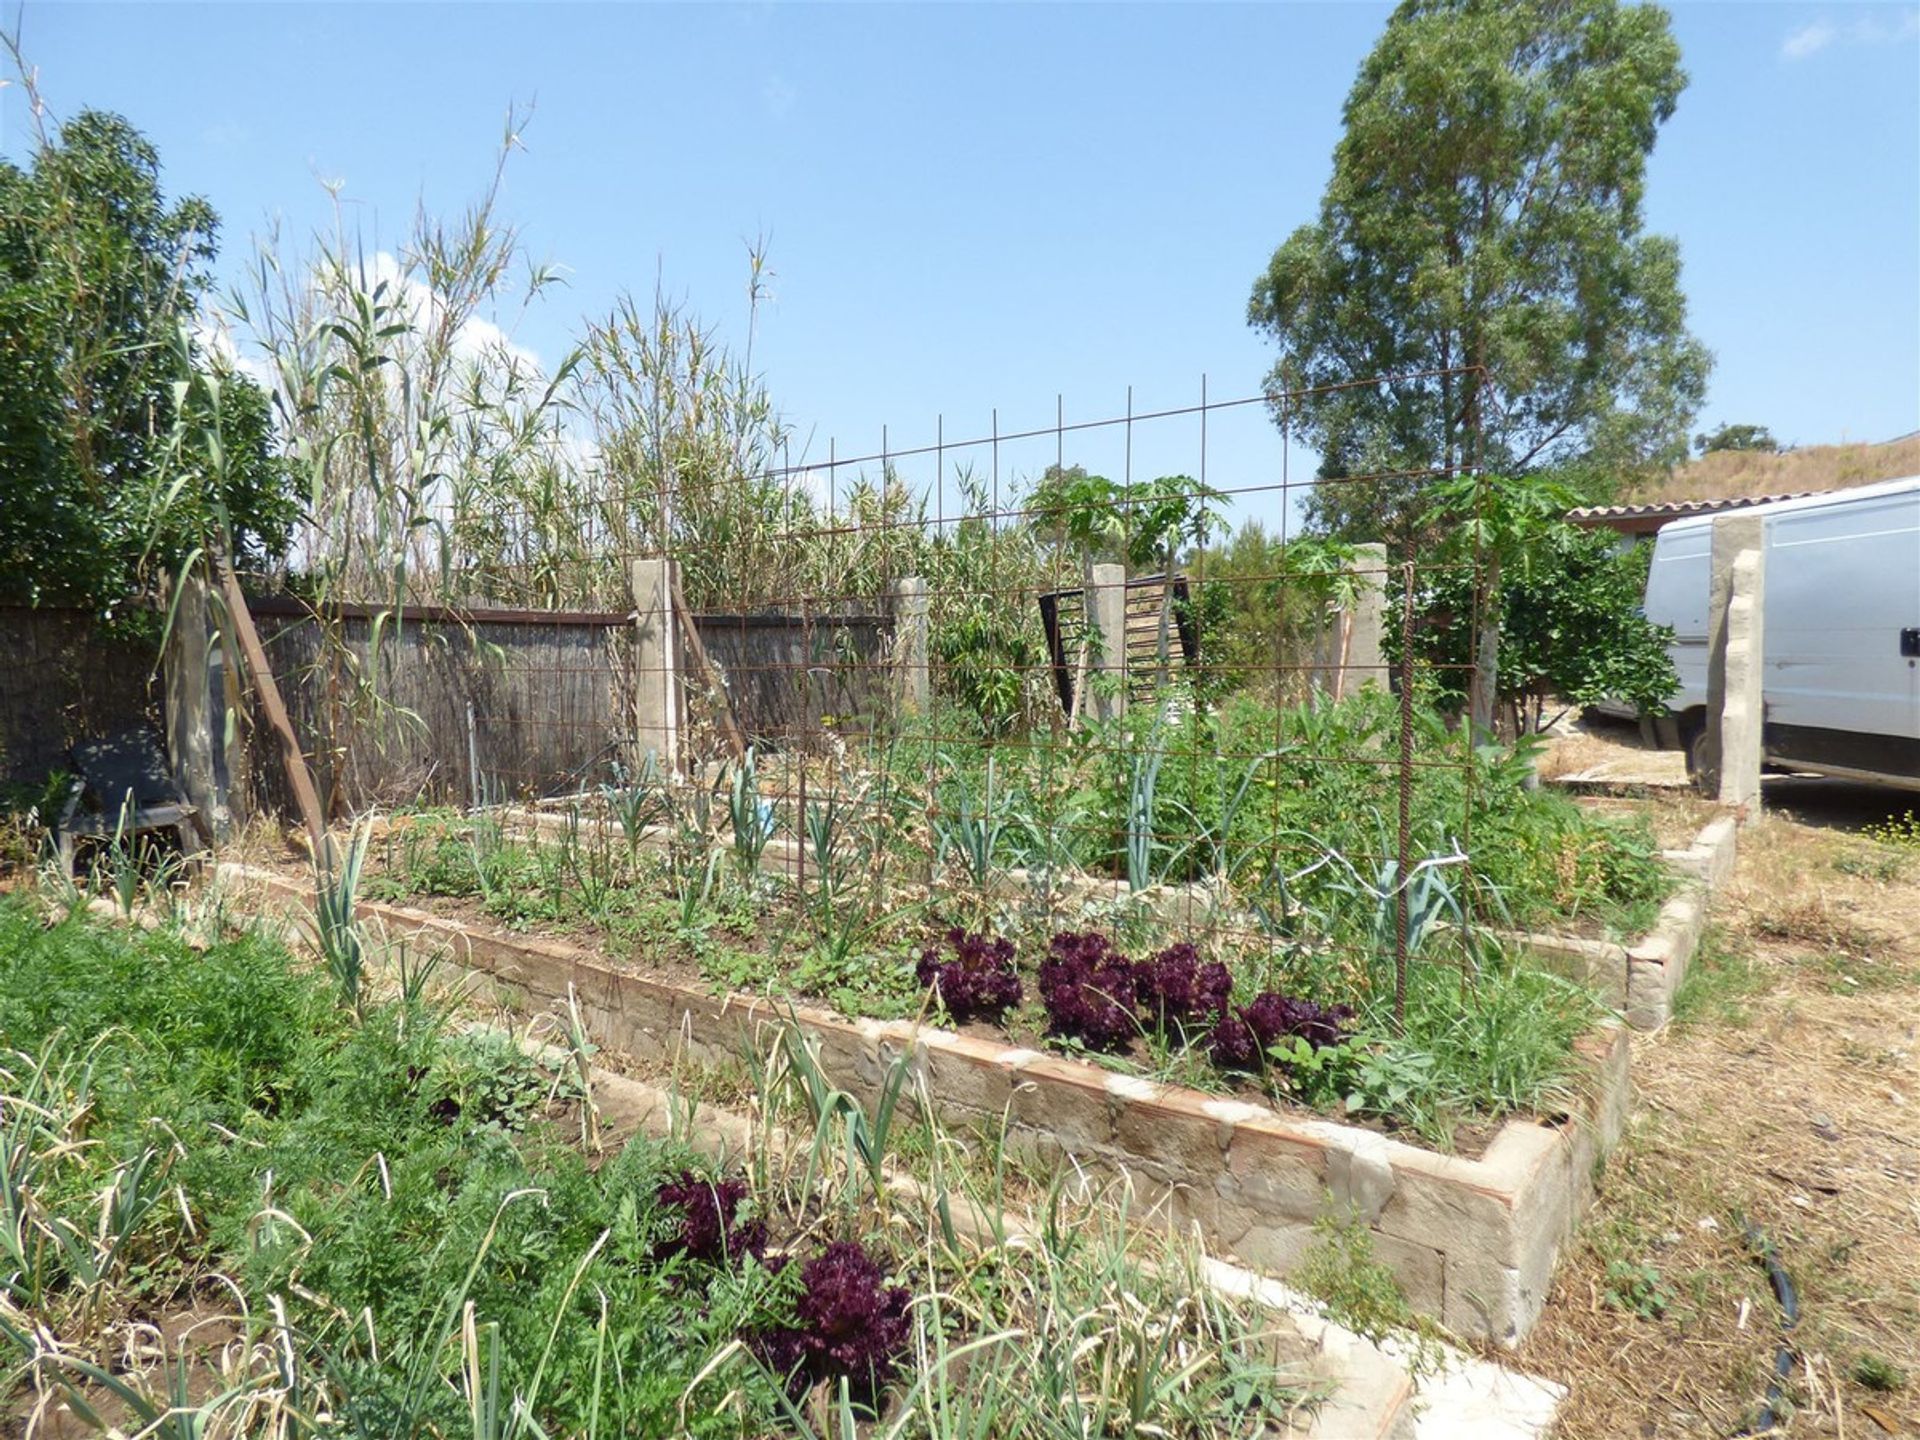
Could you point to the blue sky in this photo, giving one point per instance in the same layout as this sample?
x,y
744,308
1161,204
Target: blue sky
x,y
988,206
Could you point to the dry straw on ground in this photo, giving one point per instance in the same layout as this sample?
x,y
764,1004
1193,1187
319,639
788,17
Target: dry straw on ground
x,y
1787,1096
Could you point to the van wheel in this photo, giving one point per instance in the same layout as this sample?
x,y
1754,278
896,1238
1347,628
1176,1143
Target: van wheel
x,y
1693,741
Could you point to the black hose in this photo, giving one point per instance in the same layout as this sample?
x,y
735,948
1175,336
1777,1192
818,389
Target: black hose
x,y
1789,1299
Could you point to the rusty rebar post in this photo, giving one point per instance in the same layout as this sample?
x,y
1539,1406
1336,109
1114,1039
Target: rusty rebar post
x,y
1401,929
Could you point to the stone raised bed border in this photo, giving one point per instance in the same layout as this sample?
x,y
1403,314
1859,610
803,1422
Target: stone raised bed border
x,y
1641,979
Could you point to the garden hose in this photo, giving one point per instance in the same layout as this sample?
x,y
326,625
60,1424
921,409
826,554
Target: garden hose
x,y
1789,1300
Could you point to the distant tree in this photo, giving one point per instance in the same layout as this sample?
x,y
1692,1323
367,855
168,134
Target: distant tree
x,y
99,276
1481,238
1736,437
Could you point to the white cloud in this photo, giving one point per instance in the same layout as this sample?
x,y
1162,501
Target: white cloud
x,y
1885,27
1808,40
477,336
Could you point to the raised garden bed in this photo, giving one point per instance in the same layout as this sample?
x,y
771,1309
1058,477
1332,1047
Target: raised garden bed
x,y
1640,979
357,1206
1472,1241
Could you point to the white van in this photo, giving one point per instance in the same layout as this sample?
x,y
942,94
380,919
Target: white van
x,y
1842,630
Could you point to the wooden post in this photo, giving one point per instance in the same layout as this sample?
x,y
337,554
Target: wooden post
x,y
299,778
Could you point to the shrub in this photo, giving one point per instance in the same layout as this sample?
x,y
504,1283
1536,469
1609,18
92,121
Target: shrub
x,y
852,1326
978,983
710,1230
1090,990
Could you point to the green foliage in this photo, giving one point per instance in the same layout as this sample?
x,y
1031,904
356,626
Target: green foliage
x,y
1489,1043
1737,438
486,1078
1226,799
1485,210
988,656
1902,832
27,813
372,1174
99,272
1637,1288
1359,1290
1571,628
1261,606
423,1257
1720,984
1873,1372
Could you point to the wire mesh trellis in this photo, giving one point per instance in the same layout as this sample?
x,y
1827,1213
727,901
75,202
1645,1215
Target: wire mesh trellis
x,y
907,674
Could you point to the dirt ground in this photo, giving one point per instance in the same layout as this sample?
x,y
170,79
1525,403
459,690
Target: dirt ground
x,y
1784,1097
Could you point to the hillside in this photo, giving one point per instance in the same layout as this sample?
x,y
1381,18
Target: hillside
x,y
1727,474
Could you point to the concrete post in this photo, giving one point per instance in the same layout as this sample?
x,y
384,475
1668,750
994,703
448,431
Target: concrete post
x,y
1363,657
1107,615
186,673
657,691
1735,686
913,685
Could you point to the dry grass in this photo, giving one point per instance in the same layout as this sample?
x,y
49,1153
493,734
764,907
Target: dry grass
x,y
1728,474
1787,1096
1602,751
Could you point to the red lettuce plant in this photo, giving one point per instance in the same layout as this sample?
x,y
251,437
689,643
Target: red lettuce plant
x,y
710,1228
978,982
852,1326
1090,990
1176,989
1242,1037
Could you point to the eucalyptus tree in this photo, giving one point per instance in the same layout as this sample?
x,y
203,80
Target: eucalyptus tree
x,y
1481,244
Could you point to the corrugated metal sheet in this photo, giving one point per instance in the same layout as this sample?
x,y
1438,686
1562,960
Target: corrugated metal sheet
x,y
1675,509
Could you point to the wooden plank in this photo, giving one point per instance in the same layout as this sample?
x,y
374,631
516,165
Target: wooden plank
x,y
299,778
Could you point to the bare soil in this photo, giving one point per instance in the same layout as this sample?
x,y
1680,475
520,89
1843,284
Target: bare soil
x,y
1785,1097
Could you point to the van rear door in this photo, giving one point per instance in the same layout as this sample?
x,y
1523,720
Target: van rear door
x,y
1678,582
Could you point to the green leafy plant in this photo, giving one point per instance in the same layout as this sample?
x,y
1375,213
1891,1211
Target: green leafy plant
x,y
1358,1289
973,829
752,818
335,926
1637,1288
1874,1372
1902,832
